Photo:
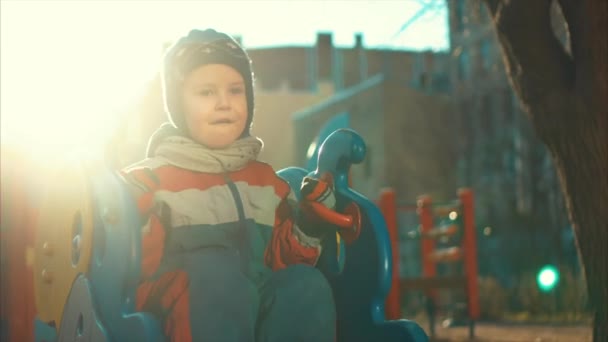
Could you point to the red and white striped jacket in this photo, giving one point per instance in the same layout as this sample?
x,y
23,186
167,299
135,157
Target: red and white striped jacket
x,y
251,209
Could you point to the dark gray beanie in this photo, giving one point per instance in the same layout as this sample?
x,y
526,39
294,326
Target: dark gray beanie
x,y
196,49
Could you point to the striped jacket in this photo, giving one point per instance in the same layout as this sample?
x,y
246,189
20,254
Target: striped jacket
x,y
251,210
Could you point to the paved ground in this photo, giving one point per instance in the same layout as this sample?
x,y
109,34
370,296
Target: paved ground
x,y
487,332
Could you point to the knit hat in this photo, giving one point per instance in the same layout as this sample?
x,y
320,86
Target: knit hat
x,y
196,49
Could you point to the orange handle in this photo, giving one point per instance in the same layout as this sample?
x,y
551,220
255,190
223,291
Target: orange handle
x,y
330,216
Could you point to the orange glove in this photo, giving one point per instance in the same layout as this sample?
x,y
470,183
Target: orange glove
x,y
314,190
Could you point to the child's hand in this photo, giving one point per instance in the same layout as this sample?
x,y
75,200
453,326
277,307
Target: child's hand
x,y
314,190
317,191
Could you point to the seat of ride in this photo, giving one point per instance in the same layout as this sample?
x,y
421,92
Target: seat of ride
x,y
87,257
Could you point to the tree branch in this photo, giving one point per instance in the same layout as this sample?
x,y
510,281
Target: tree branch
x,y
539,69
492,6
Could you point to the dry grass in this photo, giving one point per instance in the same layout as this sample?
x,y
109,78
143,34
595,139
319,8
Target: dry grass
x,y
486,332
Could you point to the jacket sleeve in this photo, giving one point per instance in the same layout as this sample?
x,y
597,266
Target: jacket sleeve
x,y
288,244
142,186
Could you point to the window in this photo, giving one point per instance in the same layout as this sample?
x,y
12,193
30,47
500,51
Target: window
x,y
440,83
459,16
486,54
464,65
508,110
467,124
424,80
486,115
482,15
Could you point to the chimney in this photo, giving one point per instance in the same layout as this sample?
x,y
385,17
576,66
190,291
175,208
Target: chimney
x,y
324,56
361,57
324,39
358,40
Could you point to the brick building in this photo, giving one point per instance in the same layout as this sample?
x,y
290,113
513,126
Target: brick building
x,y
407,139
391,97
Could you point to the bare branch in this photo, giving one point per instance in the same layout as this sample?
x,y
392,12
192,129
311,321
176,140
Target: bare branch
x,y
492,6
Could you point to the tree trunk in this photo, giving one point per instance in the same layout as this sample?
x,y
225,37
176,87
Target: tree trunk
x,y
565,94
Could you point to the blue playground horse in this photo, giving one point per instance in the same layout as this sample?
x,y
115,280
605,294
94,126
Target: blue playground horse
x,y
100,305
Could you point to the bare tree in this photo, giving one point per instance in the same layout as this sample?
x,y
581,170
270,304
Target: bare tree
x,y
565,94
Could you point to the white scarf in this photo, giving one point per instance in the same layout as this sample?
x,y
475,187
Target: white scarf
x,y
185,153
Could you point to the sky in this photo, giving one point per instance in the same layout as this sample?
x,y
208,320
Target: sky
x,y
70,68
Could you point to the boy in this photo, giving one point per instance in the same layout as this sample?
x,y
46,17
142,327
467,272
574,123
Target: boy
x,y
225,257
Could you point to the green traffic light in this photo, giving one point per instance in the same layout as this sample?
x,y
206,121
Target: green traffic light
x,y
547,278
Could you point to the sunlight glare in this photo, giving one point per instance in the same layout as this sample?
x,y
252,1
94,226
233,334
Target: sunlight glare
x,y
67,84
70,70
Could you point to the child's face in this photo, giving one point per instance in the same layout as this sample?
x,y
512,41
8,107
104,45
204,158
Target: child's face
x,y
215,105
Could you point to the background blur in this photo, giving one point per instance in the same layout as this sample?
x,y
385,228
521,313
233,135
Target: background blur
x,y
422,81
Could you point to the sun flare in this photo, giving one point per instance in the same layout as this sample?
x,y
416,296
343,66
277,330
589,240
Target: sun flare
x,y
67,85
